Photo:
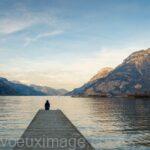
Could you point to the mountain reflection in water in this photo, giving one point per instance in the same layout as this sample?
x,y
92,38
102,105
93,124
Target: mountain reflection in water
x,y
108,123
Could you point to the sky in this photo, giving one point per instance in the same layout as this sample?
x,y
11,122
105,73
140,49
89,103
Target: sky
x,y
63,43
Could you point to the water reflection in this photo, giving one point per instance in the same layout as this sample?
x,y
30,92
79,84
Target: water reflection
x,y
107,123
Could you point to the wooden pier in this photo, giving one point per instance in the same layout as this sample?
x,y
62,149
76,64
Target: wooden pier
x,y
52,130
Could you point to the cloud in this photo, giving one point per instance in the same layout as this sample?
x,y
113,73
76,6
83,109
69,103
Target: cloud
x,y
20,18
1,65
17,20
8,25
12,24
29,40
58,74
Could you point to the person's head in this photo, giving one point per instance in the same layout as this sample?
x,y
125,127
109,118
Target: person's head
x,y
47,101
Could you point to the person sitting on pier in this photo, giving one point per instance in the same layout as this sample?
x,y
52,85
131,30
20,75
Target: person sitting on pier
x,y
47,105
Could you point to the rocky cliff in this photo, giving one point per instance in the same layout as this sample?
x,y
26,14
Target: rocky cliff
x,y
131,78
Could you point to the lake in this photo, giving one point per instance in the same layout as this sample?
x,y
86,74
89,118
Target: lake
x,y
108,123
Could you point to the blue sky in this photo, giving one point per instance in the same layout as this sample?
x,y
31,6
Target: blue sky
x,y
63,43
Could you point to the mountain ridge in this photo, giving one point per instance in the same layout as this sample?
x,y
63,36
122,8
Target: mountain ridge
x,y
17,88
131,78
10,88
49,91
101,74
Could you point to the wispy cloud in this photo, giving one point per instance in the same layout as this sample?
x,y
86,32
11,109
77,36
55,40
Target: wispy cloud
x,y
29,40
8,25
12,24
61,75
90,39
22,18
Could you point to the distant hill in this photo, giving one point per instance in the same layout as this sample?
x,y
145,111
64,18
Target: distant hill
x,y
11,88
49,90
17,88
131,78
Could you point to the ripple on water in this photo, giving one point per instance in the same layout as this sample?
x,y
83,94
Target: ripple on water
x,y
106,123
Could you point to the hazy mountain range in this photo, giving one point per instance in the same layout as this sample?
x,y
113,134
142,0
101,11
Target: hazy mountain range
x,y
49,90
131,78
17,88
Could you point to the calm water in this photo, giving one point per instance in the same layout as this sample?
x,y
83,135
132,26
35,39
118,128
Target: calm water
x,y
106,123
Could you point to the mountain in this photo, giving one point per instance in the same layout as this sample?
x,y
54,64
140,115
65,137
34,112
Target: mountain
x,y
17,88
101,74
49,90
11,88
131,78
5,88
